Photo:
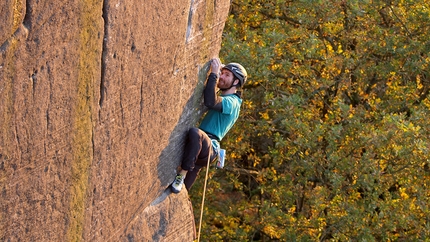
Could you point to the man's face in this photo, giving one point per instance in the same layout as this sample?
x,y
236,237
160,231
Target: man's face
x,y
226,79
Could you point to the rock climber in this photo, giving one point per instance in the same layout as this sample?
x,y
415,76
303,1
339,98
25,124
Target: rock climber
x,y
223,110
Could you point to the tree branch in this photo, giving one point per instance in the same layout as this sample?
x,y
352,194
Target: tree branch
x,y
403,24
242,171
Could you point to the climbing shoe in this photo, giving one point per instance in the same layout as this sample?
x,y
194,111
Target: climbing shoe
x,y
178,183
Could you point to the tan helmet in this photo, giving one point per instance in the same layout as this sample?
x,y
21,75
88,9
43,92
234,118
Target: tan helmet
x,y
238,71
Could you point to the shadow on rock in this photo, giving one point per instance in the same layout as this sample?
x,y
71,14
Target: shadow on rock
x,y
170,158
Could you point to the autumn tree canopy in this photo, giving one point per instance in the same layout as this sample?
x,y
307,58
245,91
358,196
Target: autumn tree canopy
x,y
333,140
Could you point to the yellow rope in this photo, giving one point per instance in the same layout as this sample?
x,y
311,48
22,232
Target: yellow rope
x,y
203,198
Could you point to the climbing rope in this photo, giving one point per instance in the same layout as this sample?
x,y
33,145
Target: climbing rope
x,y
203,198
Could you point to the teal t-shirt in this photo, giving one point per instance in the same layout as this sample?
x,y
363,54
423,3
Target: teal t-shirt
x,y
218,123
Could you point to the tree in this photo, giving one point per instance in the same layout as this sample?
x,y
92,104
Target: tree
x,y
333,139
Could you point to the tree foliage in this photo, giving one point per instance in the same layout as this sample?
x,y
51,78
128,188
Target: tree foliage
x,y
333,140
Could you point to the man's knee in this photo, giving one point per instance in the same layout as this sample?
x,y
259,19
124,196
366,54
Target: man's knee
x,y
193,130
194,133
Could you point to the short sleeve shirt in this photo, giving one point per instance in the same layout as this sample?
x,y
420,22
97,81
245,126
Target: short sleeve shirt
x,y
219,123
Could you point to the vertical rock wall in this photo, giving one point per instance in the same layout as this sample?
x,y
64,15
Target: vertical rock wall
x,y
95,99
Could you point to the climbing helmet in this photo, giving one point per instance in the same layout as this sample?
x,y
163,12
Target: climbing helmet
x,y
238,71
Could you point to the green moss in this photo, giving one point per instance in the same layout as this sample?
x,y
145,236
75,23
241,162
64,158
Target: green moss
x,y
89,70
196,103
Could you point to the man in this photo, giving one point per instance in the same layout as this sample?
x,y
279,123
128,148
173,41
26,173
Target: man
x,y
203,142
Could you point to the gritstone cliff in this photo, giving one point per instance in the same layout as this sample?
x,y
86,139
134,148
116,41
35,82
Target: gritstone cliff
x,y
95,99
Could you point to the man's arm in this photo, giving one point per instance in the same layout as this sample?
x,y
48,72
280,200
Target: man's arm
x,y
212,100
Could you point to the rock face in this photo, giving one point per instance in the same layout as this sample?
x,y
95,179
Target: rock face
x,y
95,100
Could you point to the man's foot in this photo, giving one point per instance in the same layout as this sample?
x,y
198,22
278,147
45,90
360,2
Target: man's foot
x,y
178,183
